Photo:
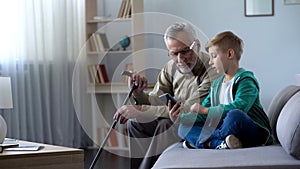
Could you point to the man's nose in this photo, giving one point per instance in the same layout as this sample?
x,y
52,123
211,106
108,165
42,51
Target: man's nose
x,y
210,62
180,57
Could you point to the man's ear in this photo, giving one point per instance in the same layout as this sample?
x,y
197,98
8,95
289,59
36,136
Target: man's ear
x,y
230,53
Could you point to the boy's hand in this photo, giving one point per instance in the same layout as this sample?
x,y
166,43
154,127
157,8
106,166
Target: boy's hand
x,y
197,108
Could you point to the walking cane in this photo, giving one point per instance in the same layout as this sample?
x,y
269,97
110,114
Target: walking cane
x,y
133,87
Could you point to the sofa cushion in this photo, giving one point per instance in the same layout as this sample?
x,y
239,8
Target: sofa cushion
x,y
262,157
277,103
288,126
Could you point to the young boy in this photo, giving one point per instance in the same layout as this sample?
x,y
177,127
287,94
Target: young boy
x,y
231,116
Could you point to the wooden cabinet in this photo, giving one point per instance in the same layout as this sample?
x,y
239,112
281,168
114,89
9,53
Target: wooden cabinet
x,y
50,156
114,58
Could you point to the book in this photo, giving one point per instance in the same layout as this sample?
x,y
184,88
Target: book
x,y
95,74
99,78
126,9
24,148
95,43
122,7
91,73
104,73
7,145
92,43
129,12
99,74
99,42
104,41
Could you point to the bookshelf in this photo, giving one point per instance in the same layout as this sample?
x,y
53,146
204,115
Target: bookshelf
x,y
126,21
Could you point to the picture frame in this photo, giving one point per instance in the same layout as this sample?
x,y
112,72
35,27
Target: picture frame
x,y
291,2
259,8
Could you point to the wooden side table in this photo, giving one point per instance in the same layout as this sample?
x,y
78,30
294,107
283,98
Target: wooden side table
x,y
49,157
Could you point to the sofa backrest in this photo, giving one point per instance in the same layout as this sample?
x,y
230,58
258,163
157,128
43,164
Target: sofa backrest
x,y
277,103
284,115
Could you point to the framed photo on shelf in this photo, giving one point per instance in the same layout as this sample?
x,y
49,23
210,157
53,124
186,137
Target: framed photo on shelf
x,y
259,8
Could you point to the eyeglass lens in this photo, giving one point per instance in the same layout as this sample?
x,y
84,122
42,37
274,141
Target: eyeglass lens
x,y
183,51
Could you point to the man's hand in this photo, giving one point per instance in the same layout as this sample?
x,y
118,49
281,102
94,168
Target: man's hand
x,y
127,112
140,81
197,108
174,111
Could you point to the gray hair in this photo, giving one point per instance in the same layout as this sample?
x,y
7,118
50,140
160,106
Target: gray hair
x,y
174,29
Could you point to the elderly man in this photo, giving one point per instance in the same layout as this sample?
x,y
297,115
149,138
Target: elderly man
x,y
187,77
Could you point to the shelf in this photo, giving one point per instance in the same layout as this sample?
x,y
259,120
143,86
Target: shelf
x,y
93,21
107,88
110,52
117,148
115,29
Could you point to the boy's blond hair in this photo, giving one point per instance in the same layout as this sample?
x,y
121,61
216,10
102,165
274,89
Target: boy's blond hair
x,y
227,40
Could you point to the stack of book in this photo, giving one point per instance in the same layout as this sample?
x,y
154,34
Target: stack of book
x,y
125,9
98,74
99,42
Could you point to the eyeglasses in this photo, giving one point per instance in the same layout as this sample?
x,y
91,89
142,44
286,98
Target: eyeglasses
x,y
183,51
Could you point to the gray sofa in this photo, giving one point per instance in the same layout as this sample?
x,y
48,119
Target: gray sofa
x,y
284,115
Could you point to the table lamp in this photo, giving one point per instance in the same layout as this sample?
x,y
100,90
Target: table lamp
x,y
5,103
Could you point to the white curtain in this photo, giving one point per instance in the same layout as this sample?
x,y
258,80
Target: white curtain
x,y
39,43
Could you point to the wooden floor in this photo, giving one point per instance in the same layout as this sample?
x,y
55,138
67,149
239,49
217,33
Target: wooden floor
x,y
106,160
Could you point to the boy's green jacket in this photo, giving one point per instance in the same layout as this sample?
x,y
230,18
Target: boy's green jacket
x,y
245,92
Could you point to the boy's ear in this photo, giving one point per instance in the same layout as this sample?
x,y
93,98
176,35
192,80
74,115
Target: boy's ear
x,y
230,53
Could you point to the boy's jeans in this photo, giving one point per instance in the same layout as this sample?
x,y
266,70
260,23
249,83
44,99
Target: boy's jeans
x,y
236,122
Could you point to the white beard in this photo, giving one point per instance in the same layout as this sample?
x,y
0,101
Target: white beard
x,y
185,69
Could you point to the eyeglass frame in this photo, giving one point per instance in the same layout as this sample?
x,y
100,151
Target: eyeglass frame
x,y
184,51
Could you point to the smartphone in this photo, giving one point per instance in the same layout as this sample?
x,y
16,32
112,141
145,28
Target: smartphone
x,y
166,97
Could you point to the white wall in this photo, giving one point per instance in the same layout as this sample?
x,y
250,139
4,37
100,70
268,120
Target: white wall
x,y
272,44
